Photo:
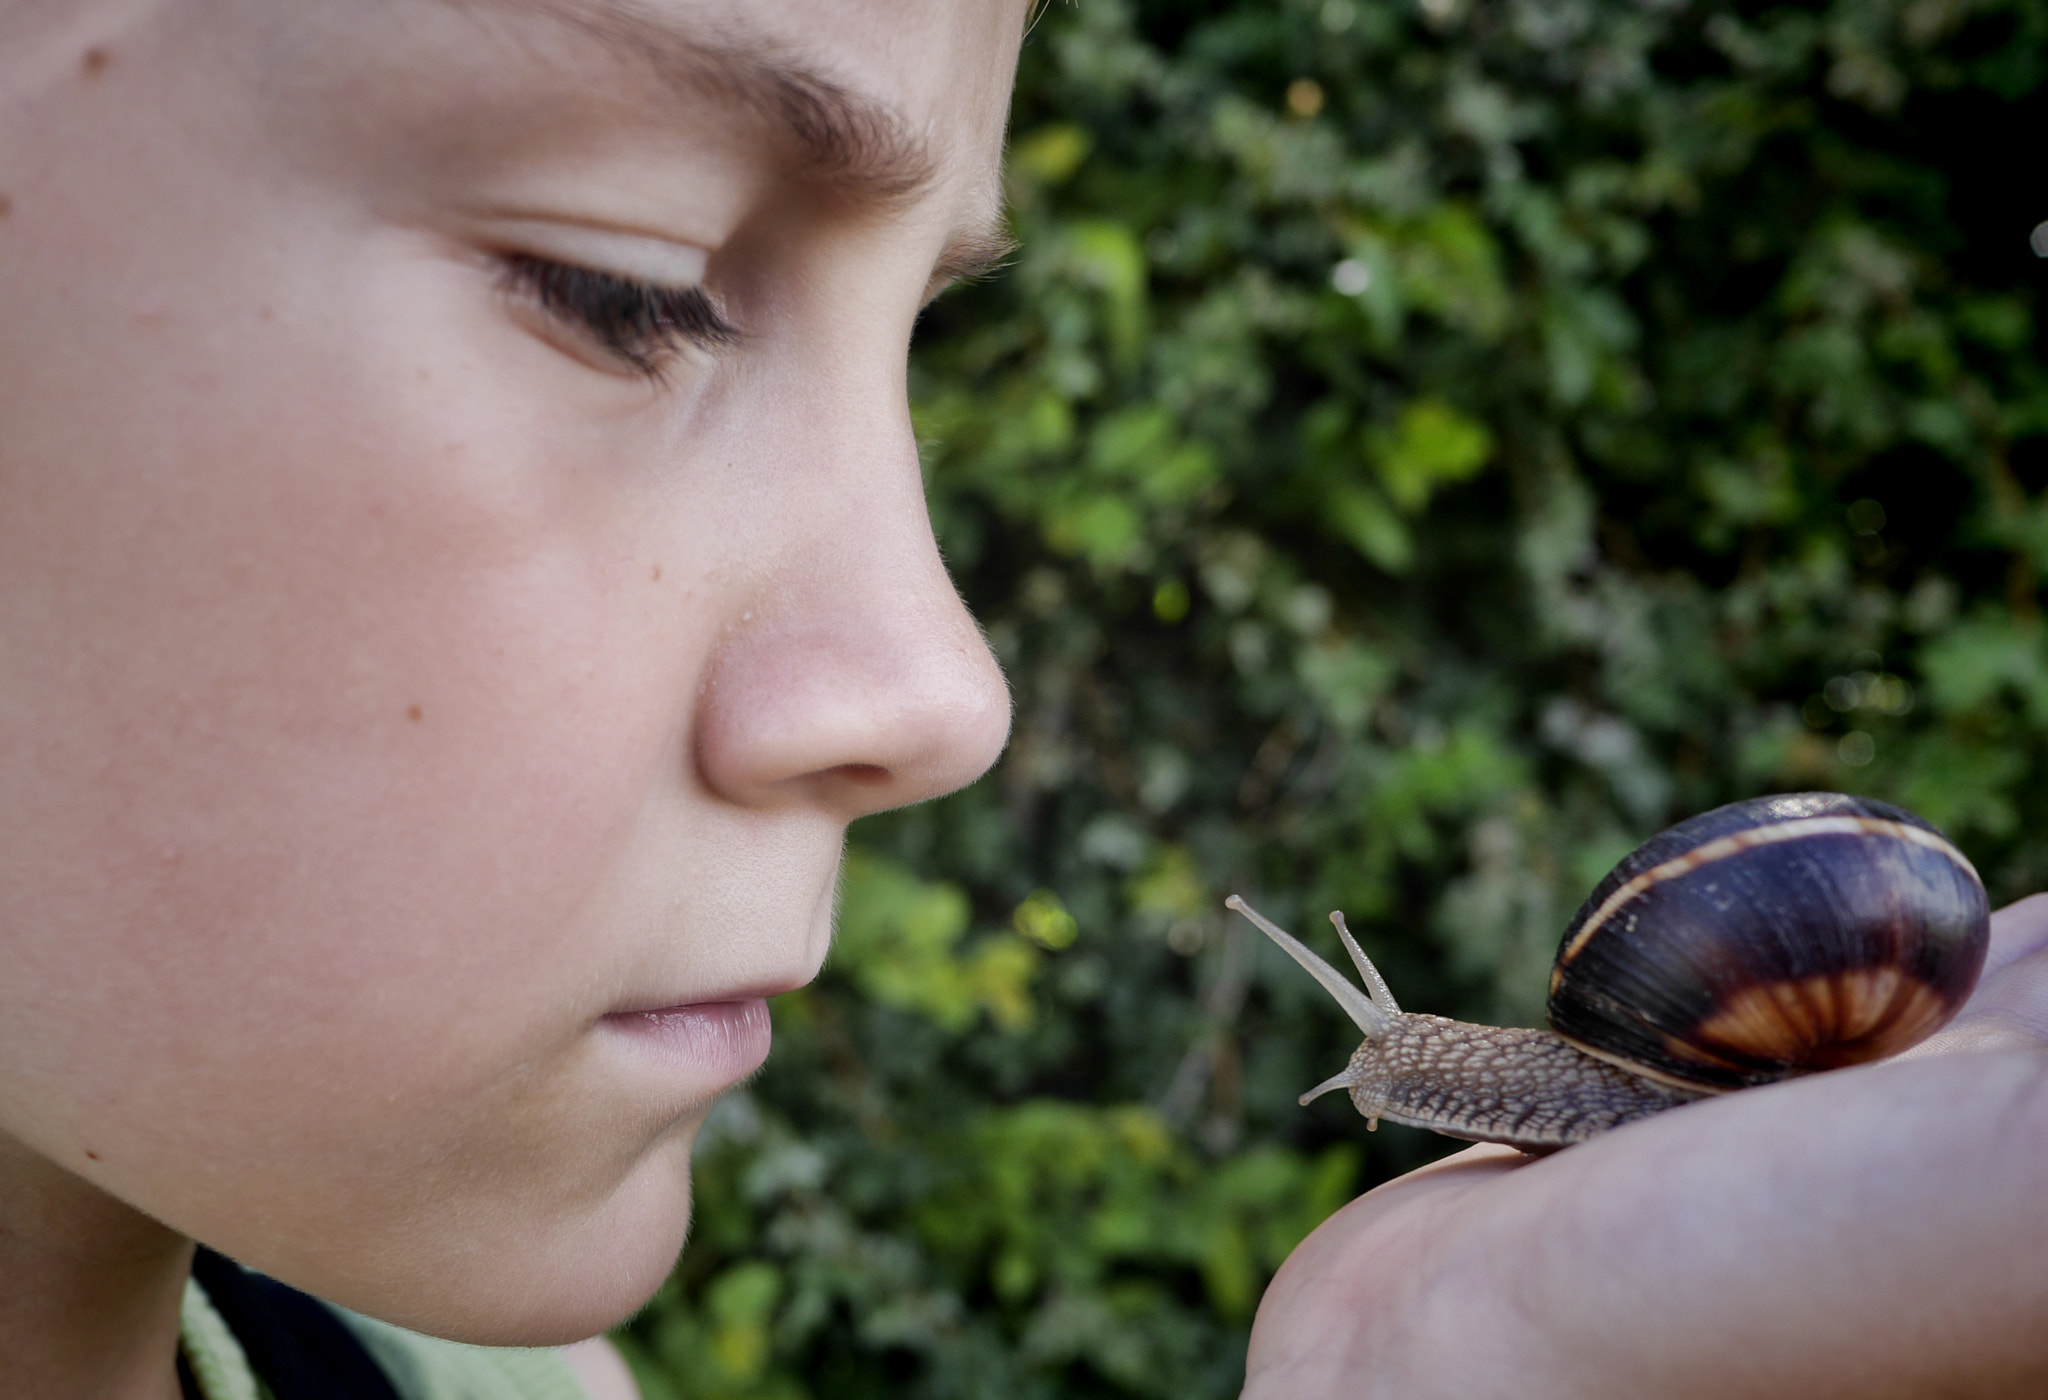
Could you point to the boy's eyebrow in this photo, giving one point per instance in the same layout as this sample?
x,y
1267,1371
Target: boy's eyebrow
x,y
842,138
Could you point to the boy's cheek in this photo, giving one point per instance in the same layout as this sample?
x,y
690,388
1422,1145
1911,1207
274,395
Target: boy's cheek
x,y
297,760
344,690
345,729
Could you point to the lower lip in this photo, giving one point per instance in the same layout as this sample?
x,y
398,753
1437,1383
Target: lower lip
x,y
718,1042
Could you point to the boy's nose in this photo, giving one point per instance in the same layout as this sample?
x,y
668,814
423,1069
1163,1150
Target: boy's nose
x,y
853,676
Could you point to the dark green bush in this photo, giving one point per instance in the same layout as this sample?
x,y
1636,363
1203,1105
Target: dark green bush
x,y
1417,452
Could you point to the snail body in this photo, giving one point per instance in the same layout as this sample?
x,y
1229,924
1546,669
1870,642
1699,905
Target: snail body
x,y
1753,943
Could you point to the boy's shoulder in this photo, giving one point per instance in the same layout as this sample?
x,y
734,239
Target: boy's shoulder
x,y
245,1337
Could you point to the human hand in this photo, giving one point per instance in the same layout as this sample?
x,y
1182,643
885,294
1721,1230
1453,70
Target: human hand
x,y
1871,1232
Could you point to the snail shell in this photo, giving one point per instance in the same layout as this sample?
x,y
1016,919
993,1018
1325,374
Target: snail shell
x,y
1769,938
1758,941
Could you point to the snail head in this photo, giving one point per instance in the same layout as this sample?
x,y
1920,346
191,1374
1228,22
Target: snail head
x,y
1374,1014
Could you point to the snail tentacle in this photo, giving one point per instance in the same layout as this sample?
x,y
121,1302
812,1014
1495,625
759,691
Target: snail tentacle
x,y
1338,1081
1382,995
1368,1017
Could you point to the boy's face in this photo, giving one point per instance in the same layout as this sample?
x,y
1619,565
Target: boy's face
x,y
462,565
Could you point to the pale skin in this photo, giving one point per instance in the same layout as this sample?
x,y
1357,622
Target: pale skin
x,y
405,680
1865,1234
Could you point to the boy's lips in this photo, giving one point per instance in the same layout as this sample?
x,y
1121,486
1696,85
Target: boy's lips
x,y
718,1042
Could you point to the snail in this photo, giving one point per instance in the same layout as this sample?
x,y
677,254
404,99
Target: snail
x,y
1749,944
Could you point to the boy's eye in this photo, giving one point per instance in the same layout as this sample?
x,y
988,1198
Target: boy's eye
x,y
638,323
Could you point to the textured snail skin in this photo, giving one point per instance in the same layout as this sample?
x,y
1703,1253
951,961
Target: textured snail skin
x,y
1753,943
1528,1088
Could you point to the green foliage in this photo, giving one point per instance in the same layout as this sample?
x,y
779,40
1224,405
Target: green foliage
x,y
1418,452
896,942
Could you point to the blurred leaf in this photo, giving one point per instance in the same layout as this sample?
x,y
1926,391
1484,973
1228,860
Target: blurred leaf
x,y
1052,153
1045,921
898,938
1431,445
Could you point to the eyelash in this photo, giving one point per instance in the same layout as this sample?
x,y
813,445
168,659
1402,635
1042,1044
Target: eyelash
x,y
639,323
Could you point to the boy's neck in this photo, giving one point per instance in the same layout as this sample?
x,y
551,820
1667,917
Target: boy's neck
x,y
100,1322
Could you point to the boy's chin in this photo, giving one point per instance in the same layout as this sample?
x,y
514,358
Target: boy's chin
x,y
557,1282
595,1280
592,1294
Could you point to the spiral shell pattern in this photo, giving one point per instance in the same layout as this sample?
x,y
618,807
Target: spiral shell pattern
x,y
1771,938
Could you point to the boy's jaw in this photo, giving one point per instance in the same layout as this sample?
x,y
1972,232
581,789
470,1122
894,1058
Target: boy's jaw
x,y
422,748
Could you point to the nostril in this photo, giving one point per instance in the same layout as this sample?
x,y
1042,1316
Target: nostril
x,y
864,774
